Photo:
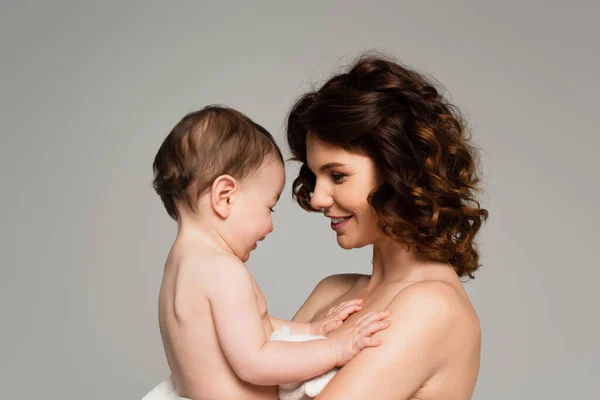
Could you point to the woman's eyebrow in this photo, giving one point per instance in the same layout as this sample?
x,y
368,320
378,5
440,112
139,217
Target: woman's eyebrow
x,y
327,166
330,165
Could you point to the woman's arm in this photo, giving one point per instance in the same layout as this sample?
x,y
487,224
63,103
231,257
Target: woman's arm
x,y
426,318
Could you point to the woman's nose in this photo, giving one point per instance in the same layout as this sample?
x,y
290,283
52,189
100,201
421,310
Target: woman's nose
x,y
320,199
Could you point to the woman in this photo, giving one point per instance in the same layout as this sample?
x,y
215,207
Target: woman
x,y
386,158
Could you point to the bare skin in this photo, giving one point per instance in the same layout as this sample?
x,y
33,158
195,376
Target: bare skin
x,y
432,348
192,349
430,351
213,316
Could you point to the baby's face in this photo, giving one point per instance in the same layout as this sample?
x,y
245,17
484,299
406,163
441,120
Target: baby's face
x,y
251,214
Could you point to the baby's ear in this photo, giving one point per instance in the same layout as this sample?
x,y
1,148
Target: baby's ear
x,y
222,193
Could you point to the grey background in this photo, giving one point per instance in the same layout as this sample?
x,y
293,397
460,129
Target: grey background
x,y
88,90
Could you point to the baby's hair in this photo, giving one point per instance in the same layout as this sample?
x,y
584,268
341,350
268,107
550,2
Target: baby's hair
x,y
205,144
418,141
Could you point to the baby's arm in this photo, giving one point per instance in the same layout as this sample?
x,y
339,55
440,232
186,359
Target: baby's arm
x,y
243,339
332,321
296,328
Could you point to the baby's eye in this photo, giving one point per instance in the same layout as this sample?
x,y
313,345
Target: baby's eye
x,y
272,209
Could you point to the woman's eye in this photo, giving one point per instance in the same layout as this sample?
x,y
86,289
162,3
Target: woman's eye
x,y
337,177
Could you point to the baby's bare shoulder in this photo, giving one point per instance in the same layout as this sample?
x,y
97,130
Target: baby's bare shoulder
x,y
216,274
200,278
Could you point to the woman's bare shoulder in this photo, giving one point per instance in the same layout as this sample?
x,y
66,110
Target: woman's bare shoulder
x,y
431,332
327,291
341,281
439,295
439,302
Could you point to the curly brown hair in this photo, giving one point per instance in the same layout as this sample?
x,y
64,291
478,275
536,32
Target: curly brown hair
x,y
419,144
213,141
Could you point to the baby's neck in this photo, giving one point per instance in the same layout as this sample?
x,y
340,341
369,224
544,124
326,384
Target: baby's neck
x,y
201,232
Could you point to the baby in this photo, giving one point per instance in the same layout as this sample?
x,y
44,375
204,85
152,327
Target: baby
x,y
219,175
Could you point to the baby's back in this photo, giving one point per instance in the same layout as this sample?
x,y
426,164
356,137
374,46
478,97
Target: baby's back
x,y
199,367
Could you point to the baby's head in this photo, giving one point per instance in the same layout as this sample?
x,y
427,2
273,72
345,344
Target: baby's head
x,y
219,167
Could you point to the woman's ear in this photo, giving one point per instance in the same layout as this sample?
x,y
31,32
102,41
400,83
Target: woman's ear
x,y
222,193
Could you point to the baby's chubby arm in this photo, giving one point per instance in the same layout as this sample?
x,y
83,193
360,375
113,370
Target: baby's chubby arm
x,y
244,342
243,339
333,320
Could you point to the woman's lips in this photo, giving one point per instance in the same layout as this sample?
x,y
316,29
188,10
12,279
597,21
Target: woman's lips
x,y
338,223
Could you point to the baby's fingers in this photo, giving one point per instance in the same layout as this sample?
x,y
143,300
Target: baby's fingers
x,y
374,327
353,301
343,304
372,317
346,311
332,326
365,342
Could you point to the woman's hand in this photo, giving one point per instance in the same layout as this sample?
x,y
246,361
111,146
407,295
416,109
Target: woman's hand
x,y
335,317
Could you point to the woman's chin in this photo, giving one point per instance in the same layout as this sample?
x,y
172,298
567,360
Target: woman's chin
x,y
345,243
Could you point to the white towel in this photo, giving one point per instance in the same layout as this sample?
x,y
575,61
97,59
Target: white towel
x,y
293,391
307,389
164,391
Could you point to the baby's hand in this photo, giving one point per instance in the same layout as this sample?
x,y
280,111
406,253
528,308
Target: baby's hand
x,y
350,342
335,317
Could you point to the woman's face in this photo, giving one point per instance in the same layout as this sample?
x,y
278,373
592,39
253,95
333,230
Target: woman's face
x,y
343,183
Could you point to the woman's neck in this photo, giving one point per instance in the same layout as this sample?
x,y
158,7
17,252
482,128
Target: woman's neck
x,y
394,261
